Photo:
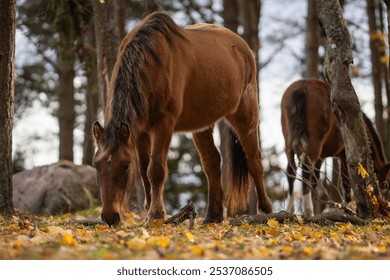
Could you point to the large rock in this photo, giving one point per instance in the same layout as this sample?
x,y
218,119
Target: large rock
x,y
55,189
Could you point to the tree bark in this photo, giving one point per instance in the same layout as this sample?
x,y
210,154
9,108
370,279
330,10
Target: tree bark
x,y
249,15
150,7
230,18
387,2
66,113
92,92
120,16
376,65
312,41
230,15
7,64
346,104
107,43
386,83
65,26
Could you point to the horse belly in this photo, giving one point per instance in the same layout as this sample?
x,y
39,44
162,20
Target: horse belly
x,y
201,110
200,118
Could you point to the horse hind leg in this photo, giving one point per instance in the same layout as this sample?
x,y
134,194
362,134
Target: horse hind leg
x,y
245,125
291,173
211,162
307,202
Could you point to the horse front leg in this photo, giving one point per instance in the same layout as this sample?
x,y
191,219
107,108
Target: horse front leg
x,y
157,169
211,162
144,151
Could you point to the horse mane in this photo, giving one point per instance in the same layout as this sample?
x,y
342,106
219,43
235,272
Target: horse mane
x,y
376,143
126,102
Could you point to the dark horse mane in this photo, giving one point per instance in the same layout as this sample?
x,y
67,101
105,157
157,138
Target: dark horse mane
x,y
127,103
377,143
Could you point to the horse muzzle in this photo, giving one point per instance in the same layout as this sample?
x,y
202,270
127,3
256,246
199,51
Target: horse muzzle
x,y
111,219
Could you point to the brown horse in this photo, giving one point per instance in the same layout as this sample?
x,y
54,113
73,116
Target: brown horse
x,y
311,132
168,79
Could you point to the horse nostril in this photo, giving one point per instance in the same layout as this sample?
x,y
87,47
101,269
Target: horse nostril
x,y
111,219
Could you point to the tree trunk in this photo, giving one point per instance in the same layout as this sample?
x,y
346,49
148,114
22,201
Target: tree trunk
x,y
230,18
64,24
107,43
120,17
66,113
346,104
312,41
7,64
92,92
387,145
150,7
376,65
250,18
230,14
386,83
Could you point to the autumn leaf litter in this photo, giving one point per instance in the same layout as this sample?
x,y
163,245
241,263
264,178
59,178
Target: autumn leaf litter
x,y
31,237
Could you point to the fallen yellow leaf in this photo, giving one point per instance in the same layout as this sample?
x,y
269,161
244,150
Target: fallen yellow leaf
x,y
196,250
273,242
17,243
273,223
54,229
316,234
69,240
190,237
287,249
362,171
308,251
334,234
300,219
273,232
160,241
297,236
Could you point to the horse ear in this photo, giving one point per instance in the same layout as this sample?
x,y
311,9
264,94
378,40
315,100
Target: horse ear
x,y
124,131
97,131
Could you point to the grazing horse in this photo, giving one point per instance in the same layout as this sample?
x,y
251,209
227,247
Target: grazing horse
x,y
311,132
168,79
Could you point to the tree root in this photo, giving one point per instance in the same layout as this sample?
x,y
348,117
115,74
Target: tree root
x,y
187,212
283,216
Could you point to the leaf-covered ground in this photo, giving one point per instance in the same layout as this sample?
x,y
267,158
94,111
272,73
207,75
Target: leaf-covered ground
x,y
30,237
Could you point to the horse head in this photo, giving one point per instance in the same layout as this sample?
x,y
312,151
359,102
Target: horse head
x,y
115,169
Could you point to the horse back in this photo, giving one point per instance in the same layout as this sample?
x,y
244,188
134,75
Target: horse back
x,y
205,73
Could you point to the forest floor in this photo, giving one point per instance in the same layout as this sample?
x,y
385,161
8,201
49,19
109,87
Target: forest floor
x,y
32,237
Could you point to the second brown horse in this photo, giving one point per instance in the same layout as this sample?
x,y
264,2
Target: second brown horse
x,y
311,132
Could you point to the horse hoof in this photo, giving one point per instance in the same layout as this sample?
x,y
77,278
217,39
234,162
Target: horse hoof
x,y
212,220
266,207
152,217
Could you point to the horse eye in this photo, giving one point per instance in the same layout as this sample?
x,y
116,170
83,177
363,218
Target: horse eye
x,y
127,165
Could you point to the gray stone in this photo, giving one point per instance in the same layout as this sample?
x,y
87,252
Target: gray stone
x,y
55,189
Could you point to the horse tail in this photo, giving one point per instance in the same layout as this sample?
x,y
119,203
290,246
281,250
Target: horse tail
x,y
237,191
297,117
